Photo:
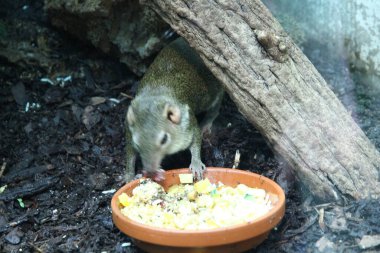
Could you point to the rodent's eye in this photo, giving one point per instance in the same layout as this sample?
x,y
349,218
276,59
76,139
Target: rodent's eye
x,y
164,139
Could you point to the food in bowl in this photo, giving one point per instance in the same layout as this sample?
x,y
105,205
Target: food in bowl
x,y
194,206
230,239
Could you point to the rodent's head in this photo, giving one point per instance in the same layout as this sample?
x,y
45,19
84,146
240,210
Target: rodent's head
x,y
158,128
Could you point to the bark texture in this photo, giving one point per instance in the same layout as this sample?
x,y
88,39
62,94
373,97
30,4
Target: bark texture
x,y
280,92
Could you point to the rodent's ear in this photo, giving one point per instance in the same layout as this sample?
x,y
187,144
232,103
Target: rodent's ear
x,y
130,116
172,113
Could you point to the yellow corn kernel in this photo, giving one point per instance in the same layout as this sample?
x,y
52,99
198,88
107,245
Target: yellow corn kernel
x,y
124,199
192,195
203,186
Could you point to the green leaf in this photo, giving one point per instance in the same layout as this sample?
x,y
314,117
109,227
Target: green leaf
x,y
20,202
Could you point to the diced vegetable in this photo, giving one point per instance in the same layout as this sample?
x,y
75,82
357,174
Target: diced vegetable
x,y
202,205
124,199
186,178
204,186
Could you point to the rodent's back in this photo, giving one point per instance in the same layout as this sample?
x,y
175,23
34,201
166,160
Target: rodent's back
x,y
179,69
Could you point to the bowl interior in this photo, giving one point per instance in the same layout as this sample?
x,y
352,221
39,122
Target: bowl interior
x,y
196,238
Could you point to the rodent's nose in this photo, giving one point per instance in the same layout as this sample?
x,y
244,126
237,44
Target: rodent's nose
x,y
157,175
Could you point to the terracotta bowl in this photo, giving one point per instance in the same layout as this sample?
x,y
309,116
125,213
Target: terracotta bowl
x,y
237,238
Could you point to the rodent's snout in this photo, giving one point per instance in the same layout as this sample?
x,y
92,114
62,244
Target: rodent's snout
x,y
156,175
151,166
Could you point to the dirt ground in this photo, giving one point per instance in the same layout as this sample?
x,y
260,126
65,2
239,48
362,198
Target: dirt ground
x,y
62,151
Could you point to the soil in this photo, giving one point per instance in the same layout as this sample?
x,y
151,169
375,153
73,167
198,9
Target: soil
x,y
62,151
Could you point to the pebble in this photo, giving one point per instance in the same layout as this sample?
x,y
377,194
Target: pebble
x,y
14,237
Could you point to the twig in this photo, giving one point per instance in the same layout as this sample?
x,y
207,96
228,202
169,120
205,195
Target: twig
x,y
237,159
3,168
303,228
29,189
36,249
321,219
126,95
21,219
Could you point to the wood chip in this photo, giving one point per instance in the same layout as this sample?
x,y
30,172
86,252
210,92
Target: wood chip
x,y
369,241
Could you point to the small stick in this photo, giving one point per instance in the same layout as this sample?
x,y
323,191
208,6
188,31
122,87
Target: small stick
x,y
126,95
237,159
2,169
321,219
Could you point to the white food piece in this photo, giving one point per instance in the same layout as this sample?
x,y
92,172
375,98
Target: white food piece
x,y
186,178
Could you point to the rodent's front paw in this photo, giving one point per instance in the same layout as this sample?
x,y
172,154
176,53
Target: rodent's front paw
x,y
197,168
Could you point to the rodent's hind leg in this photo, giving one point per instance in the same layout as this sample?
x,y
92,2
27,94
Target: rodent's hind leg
x,y
210,116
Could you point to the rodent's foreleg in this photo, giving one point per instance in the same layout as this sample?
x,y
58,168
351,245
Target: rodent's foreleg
x,y
196,166
130,157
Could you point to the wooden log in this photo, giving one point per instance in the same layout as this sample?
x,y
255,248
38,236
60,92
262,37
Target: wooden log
x,y
280,92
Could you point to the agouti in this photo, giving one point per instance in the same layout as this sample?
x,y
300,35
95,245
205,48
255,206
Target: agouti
x,y
162,117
